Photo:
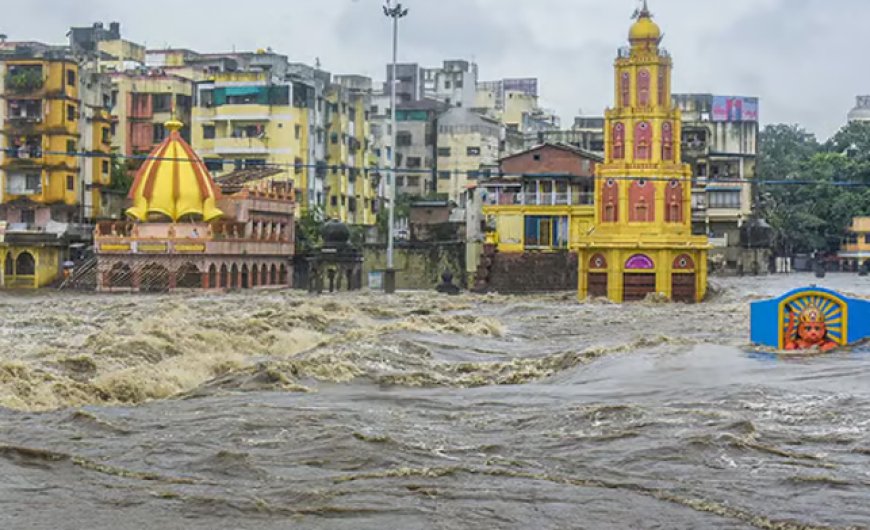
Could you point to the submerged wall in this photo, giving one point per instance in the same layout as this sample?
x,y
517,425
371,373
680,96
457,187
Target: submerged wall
x,y
418,265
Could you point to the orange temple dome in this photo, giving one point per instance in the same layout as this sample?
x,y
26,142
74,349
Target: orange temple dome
x,y
174,183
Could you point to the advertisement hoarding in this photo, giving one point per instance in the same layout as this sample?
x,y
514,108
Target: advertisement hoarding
x,y
734,108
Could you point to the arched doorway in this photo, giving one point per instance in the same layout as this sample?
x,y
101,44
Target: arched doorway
x,y
121,275
224,276
154,278
246,280
234,277
25,265
683,280
282,278
255,276
9,265
597,277
274,274
188,276
639,278
212,276
264,275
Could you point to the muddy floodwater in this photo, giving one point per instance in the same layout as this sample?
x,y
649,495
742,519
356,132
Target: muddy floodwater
x,y
278,410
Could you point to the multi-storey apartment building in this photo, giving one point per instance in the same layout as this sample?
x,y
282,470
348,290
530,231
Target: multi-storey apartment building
x,y
468,147
720,142
54,160
143,101
352,188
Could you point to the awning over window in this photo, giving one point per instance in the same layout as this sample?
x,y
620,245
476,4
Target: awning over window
x,y
242,90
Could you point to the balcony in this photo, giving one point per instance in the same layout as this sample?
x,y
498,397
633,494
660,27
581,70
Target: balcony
x,y
241,146
25,80
500,197
23,183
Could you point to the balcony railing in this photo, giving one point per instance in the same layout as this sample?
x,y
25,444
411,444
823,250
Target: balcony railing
x,y
500,198
12,188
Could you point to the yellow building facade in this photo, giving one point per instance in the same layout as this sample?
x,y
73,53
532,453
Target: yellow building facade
x,y
351,192
641,240
855,249
55,145
244,120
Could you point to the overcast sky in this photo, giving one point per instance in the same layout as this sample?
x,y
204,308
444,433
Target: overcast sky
x,y
805,59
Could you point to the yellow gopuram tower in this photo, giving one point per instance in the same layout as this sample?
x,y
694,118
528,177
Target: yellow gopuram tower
x,y
641,241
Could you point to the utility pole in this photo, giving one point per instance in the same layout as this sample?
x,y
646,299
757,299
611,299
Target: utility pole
x,y
395,12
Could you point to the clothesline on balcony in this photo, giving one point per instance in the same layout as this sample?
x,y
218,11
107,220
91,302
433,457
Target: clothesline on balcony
x,y
474,173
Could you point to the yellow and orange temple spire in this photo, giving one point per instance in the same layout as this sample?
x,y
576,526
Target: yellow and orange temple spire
x,y
174,183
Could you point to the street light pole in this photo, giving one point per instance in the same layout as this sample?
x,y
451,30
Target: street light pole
x,y
395,12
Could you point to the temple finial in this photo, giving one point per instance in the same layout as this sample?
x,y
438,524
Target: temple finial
x,y
643,12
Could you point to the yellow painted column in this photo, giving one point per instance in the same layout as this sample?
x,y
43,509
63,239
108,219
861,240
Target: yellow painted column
x,y
615,286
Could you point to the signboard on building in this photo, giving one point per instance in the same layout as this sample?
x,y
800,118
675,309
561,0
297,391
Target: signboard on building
x,y
734,108
189,247
152,248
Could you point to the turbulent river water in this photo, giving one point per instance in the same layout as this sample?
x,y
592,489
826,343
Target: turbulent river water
x,y
278,410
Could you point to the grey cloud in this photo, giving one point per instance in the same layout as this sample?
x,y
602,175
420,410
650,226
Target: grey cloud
x,y
804,58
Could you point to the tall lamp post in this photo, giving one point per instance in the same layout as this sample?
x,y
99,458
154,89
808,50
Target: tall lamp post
x,y
395,12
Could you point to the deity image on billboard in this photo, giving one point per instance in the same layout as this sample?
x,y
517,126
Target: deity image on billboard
x,y
734,109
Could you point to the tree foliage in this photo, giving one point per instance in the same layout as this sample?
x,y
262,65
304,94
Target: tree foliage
x,y
809,191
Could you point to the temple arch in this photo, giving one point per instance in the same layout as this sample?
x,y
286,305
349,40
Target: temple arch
x,y
642,141
25,265
643,87
188,276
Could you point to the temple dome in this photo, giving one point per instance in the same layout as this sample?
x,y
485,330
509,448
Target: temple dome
x,y
644,29
174,183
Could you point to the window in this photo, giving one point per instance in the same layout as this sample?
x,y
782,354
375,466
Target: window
x,y
297,165
413,180
162,102
403,139
106,135
473,175
70,146
446,84
70,182
206,98
413,162
71,77
298,131
546,232
723,199
159,133
333,200
28,217
400,180
867,238
105,167
333,138
444,175
536,157
443,151
472,151
208,132
214,164
70,112
32,182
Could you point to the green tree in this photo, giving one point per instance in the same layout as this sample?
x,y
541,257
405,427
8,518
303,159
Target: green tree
x,y
308,227
819,188
122,176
